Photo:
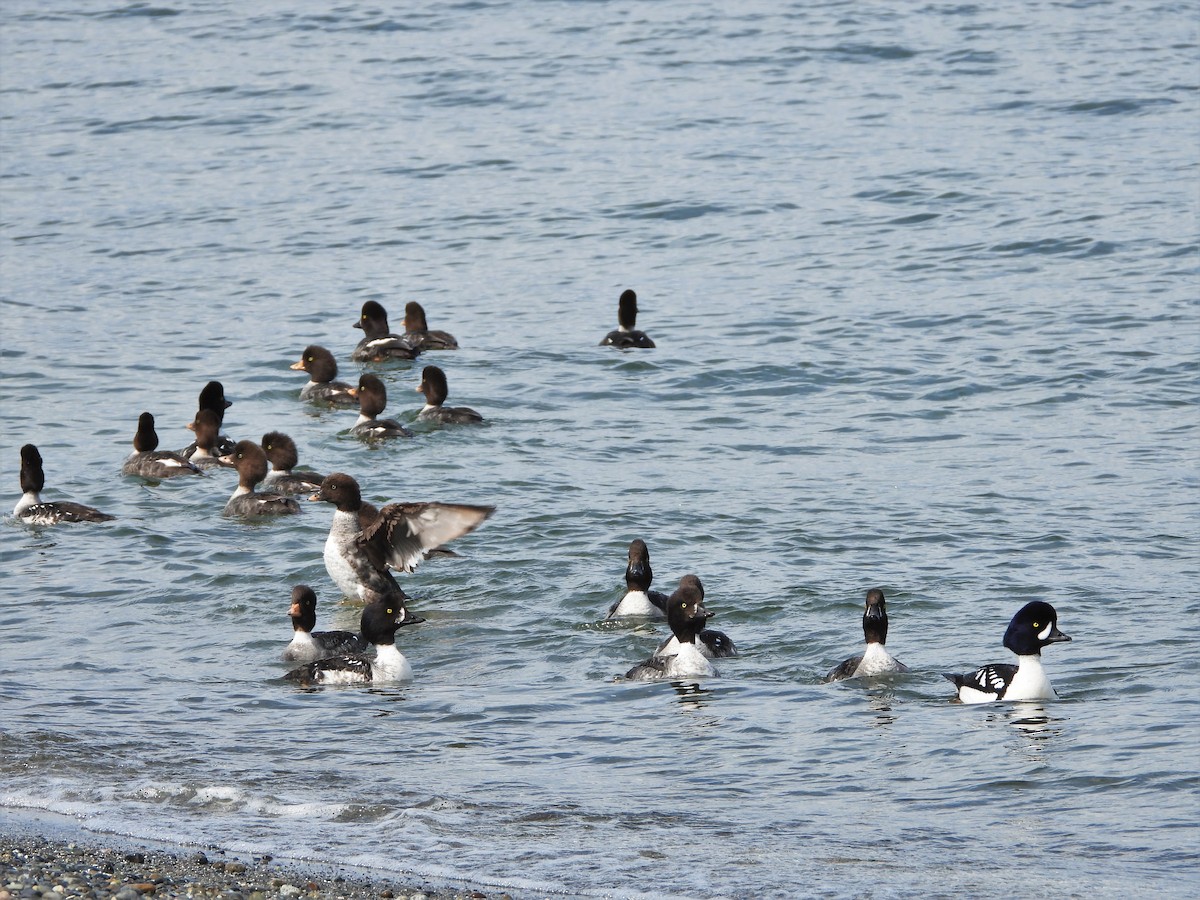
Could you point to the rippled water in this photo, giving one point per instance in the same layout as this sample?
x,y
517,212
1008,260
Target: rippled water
x,y
923,283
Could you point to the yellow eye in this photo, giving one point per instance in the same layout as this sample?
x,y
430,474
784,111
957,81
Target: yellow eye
x,y
389,612
1036,625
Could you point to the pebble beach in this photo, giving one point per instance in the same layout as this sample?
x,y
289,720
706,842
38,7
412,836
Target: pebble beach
x,y
34,866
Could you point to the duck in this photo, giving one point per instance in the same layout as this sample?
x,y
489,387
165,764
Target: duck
x,y
1034,626
711,643
686,615
372,398
875,660
322,369
212,398
627,335
308,645
32,510
280,451
358,557
379,344
379,623
147,461
251,464
417,333
638,599
205,452
433,385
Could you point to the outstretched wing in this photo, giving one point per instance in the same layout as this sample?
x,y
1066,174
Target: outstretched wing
x,y
402,532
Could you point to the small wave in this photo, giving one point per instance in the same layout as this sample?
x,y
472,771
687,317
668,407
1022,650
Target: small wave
x,y
1117,107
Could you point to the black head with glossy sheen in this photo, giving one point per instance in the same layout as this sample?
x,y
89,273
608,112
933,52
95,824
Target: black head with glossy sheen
x,y
373,319
250,461
875,621
213,397
638,574
1033,627
627,310
207,426
383,618
341,490
685,610
146,438
32,476
434,385
304,608
318,363
280,450
372,396
414,317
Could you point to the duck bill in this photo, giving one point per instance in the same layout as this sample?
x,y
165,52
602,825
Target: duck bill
x,y
315,497
298,366
294,610
874,613
1057,637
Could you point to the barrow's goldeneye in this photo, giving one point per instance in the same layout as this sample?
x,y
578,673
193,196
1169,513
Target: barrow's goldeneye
x,y
251,464
30,508
358,556
379,344
372,398
417,333
379,623
686,615
875,660
147,461
638,599
712,643
322,370
626,334
433,385
307,644
280,451
1033,627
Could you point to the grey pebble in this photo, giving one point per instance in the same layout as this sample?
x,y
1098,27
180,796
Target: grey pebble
x,y
36,868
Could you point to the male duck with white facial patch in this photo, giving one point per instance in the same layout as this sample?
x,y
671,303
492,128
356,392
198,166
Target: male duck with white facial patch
x,y
1033,627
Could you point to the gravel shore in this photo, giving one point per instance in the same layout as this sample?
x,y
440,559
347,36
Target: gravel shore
x,y
34,867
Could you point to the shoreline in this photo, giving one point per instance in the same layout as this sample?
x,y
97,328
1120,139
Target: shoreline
x,y
48,855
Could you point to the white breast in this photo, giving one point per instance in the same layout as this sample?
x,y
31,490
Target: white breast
x,y
1030,682
337,545
636,603
390,665
687,662
876,661
302,648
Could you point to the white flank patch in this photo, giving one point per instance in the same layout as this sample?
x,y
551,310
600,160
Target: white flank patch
x,y
342,676
970,695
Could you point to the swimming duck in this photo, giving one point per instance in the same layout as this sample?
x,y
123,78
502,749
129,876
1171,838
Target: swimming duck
x,y
433,385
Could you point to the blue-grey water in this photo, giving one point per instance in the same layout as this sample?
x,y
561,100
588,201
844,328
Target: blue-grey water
x,y
923,279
